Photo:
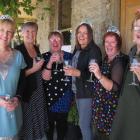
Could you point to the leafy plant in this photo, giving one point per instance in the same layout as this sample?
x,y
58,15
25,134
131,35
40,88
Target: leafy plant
x,y
15,7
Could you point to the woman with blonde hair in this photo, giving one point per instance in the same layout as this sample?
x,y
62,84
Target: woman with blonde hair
x,y
126,125
34,104
11,74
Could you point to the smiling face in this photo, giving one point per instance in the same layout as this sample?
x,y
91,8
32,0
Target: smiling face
x,y
55,43
29,34
82,36
136,32
110,45
6,33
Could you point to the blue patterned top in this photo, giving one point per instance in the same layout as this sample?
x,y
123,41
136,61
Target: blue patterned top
x,y
58,92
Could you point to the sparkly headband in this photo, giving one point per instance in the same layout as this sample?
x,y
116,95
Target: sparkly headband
x,y
113,29
87,21
3,17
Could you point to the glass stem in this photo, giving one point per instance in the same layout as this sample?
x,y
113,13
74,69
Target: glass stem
x,y
56,65
91,76
134,78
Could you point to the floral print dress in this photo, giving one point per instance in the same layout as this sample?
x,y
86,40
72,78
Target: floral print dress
x,y
105,102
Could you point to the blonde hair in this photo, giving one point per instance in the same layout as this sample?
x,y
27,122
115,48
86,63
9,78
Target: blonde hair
x,y
136,18
9,21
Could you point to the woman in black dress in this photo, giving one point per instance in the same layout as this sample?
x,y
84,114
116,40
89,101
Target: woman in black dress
x,y
34,105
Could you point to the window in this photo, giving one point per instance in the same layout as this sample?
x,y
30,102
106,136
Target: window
x,y
64,20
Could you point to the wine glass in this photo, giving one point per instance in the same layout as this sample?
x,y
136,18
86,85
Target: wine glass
x,y
67,63
134,62
92,61
57,62
39,57
8,99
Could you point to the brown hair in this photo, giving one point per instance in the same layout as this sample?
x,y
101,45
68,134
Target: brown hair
x,y
90,33
117,37
56,33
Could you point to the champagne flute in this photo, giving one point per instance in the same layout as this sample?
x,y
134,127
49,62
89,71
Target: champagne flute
x,y
92,61
134,62
57,62
8,99
38,57
67,64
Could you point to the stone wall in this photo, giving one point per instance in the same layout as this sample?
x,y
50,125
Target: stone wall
x,y
43,20
100,13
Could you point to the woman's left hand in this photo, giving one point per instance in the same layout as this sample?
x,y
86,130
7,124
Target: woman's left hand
x,y
70,71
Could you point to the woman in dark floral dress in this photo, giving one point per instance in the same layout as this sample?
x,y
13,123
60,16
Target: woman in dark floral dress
x,y
107,85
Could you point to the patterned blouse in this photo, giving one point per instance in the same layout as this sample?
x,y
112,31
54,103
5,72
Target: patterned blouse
x,y
105,102
58,92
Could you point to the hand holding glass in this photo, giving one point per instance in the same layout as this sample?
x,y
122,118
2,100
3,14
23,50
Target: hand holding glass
x,y
92,61
67,64
57,54
38,57
135,61
8,99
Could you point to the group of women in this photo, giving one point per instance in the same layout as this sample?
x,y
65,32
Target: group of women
x,y
45,85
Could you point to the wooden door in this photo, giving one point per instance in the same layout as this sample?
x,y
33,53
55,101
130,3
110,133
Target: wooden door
x,y
128,8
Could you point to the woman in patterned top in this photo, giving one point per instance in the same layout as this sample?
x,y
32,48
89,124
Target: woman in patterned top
x,y
35,121
58,92
107,85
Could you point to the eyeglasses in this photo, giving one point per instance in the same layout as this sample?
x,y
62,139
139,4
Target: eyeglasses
x,y
55,39
136,28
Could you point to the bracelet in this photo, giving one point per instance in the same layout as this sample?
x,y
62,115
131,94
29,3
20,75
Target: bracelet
x,y
48,68
100,78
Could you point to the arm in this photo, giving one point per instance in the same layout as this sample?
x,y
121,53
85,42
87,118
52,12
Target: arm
x,y
136,70
36,66
113,83
47,72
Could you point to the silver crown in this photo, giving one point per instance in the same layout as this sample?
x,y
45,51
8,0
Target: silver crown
x,y
113,29
2,17
87,21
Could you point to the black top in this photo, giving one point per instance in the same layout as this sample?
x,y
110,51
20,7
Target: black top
x,y
31,79
86,54
58,91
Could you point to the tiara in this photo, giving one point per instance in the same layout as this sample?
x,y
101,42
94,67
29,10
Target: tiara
x,y
87,21
113,29
3,17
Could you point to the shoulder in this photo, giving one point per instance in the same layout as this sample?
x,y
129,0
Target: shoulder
x,y
121,59
94,48
19,58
